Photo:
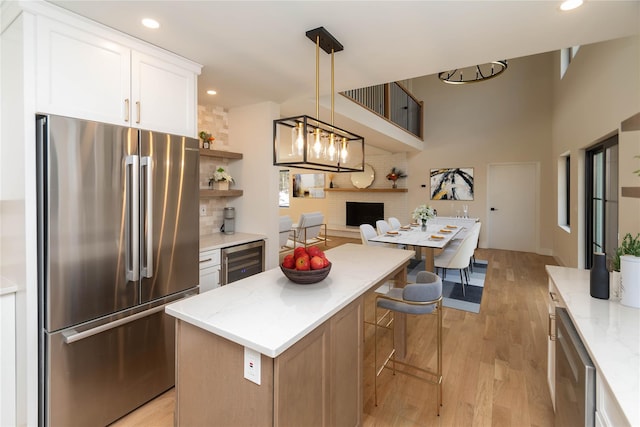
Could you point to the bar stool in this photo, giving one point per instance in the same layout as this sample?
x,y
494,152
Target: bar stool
x,y
422,297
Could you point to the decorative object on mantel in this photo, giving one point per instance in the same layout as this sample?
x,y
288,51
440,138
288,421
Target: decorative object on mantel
x,y
331,180
599,277
395,175
363,179
422,214
207,140
220,179
308,143
452,184
474,73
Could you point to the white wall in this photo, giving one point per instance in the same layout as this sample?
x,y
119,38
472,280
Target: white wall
x,y
600,89
504,120
251,133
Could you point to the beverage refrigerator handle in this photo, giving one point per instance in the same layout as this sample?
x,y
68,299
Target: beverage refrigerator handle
x,y
132,215
147,269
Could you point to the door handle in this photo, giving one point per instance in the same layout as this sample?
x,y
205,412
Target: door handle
x,y
494,209
146,162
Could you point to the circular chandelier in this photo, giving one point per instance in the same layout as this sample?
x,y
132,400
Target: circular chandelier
x,y
474,73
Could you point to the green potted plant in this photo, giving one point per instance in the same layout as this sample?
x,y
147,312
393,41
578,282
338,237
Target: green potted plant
x,y
630,246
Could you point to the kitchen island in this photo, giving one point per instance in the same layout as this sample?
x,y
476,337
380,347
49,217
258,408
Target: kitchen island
x,y
301,343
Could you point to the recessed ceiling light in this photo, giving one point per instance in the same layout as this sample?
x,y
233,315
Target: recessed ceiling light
x,y
211,92
570,4
150,23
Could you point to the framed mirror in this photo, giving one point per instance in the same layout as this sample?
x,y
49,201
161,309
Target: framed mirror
x,y
309,185
283,189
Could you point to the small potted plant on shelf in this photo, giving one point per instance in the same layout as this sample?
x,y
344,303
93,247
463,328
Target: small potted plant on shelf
x,y
395,175
207,139
220,179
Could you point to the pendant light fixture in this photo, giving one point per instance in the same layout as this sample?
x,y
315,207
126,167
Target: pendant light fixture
x,y
475,73
308,143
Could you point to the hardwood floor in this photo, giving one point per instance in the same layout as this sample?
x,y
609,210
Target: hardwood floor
x,y
494,362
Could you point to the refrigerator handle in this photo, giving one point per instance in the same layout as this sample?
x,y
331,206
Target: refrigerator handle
x,y
72,335
147,268
132,223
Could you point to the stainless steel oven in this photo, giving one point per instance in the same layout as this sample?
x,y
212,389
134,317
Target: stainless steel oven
x,y
575,376
241,261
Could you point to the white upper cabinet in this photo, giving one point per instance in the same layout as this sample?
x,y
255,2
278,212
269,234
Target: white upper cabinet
x,y
99,74
80,74
163,95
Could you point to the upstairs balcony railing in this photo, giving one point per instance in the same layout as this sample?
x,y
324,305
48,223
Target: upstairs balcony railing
x,y
393,102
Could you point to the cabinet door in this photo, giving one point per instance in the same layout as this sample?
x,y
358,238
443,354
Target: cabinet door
x,y
80,74
209,278
8,360
163,95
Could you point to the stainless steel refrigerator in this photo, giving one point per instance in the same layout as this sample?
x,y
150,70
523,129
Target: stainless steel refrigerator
x,y
118,238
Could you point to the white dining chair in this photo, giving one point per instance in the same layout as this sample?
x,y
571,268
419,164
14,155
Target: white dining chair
x,y
382,226
394,223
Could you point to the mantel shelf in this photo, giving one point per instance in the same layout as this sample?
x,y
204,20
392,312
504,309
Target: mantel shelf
x,y
631,192
220,193
220,154
370,190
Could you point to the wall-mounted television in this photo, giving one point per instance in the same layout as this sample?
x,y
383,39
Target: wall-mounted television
x,y
364,213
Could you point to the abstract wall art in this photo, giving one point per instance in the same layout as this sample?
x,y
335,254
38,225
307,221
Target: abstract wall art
x,y
452,184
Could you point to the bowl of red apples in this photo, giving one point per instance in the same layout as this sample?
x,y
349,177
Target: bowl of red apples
x,y
306,265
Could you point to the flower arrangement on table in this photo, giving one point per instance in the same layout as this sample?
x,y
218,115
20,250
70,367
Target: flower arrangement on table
x,y
395,175
221,179
423,213
207,139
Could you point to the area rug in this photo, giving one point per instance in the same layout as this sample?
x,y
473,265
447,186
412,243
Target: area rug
x,y
452,289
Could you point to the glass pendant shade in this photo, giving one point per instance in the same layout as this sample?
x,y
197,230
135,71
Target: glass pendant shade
x,y
326,148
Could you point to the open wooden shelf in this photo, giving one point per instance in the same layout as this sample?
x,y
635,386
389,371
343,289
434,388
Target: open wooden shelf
x,y
370,190
220,154
220,193
631,192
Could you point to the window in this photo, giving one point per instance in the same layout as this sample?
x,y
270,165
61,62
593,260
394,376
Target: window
x,y
601,199
566,55
564,191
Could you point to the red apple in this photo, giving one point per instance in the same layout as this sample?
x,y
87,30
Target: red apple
x,y
313,251
316,263
289,261
299,251
325,262
302,263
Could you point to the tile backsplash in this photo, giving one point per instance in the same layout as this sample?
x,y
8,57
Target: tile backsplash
x,y
214,120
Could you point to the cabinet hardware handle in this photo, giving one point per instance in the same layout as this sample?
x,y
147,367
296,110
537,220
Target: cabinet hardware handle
x,y
206,260
126,110
138,111
552,319
554,297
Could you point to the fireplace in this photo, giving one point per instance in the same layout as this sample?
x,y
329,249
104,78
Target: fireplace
x,y
364,213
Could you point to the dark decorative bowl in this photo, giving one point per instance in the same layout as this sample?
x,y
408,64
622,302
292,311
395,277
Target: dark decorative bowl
x,y
307,277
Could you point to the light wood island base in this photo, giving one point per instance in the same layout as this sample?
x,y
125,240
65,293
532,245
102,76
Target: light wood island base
x,y
317,381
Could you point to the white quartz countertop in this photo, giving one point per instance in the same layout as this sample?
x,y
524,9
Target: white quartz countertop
x,y
221,240
268,313
610,332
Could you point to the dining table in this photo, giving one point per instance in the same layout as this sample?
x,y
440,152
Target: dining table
x,y
433,236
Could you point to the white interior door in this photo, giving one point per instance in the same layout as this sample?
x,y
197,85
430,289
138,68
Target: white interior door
x,y
512,206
